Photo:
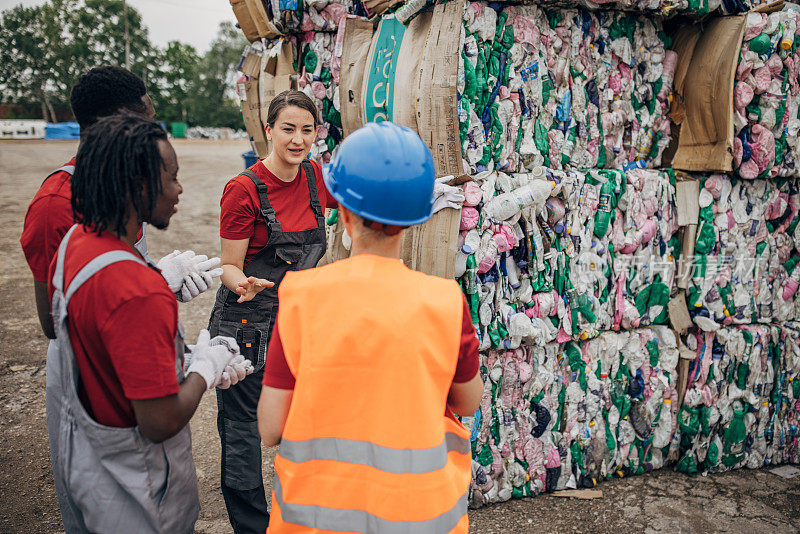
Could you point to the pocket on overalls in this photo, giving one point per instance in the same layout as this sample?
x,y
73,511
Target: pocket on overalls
x,y
251,338
289,255
242,455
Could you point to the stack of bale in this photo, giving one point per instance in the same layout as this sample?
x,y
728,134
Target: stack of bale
x,y
297,43
740,406
660,8
620,330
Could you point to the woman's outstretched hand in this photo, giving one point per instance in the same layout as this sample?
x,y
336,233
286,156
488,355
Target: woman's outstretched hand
x,y
247,289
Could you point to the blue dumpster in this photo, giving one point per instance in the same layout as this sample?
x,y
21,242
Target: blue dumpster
x,y
250,159
62,130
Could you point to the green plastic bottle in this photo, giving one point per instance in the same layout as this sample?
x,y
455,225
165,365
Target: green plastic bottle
x,y
735,434
760,44
606,204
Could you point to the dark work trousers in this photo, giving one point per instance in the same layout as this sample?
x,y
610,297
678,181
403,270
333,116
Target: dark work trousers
x,y
251,323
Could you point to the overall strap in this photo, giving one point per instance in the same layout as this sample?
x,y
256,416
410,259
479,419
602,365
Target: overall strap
x,y
69,169
312,189
58,275
100,262
267,211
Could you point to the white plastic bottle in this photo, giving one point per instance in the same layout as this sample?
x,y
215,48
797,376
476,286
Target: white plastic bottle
x,y
505,206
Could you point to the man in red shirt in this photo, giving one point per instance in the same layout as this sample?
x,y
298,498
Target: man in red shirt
x,y
121,442
101,92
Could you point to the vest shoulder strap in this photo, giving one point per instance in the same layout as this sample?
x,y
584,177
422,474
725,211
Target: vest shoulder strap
x,y
267,211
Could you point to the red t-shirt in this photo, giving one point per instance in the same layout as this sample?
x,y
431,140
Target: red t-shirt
x,y
278,375
48,219
122,324
240,214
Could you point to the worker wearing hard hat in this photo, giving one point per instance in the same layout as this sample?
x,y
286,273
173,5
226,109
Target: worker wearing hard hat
x,y
369,361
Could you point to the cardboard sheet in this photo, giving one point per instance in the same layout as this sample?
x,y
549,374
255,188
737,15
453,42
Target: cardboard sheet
x,y
706,86
437,102
355,48
245,20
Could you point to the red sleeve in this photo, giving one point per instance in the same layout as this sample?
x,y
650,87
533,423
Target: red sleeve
x,y
468,353
238,213
325,198
140,338
46,223
276,371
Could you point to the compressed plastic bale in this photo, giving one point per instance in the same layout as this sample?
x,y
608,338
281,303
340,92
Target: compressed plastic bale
x,y
767,96
659,7
517,447
319,60
561,88
621,404
559,255
298,16
644,237
732,406
782,432
559,416
745,252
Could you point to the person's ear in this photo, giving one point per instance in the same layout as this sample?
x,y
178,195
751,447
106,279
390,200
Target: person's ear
x,y
268,132
348,219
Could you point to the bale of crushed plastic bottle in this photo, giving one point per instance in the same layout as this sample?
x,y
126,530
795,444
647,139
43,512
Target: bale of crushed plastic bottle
x,y
562,87
746,252
559,255
559,416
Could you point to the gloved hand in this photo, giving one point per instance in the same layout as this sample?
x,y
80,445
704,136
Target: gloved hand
x,y
446,196
188,274
210,357
236,370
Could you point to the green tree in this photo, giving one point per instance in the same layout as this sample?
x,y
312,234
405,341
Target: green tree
x,y
26,58
94,34
212,99
44,49
176,71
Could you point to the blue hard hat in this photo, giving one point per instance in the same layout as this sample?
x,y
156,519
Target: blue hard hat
x,y
384,173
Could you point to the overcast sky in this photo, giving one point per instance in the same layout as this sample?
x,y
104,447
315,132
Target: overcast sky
x,y
190,21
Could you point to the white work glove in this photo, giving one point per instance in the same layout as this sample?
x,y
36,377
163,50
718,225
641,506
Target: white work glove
x,y
236,370
210,357
188,274
446,196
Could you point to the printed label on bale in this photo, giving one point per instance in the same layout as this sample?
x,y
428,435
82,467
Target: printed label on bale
x,y
378,95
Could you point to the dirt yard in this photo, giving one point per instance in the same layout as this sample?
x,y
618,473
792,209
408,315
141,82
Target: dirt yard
x,y
743,501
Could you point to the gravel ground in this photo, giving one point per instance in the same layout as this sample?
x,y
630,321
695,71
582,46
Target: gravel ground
x,y
742,501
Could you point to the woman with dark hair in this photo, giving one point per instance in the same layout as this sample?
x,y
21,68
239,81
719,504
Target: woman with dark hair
x,y
271,222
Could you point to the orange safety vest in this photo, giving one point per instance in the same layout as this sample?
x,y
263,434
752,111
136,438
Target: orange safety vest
x,y
369,443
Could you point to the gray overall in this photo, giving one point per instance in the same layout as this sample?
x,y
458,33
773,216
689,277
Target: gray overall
x,y
53,404
112,479
251,323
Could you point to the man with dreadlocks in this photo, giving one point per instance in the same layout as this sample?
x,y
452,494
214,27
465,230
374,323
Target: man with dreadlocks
x,y
124,388
100,92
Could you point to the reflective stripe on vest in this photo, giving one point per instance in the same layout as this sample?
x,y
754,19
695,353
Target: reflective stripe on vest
x,y
342,520
397,461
